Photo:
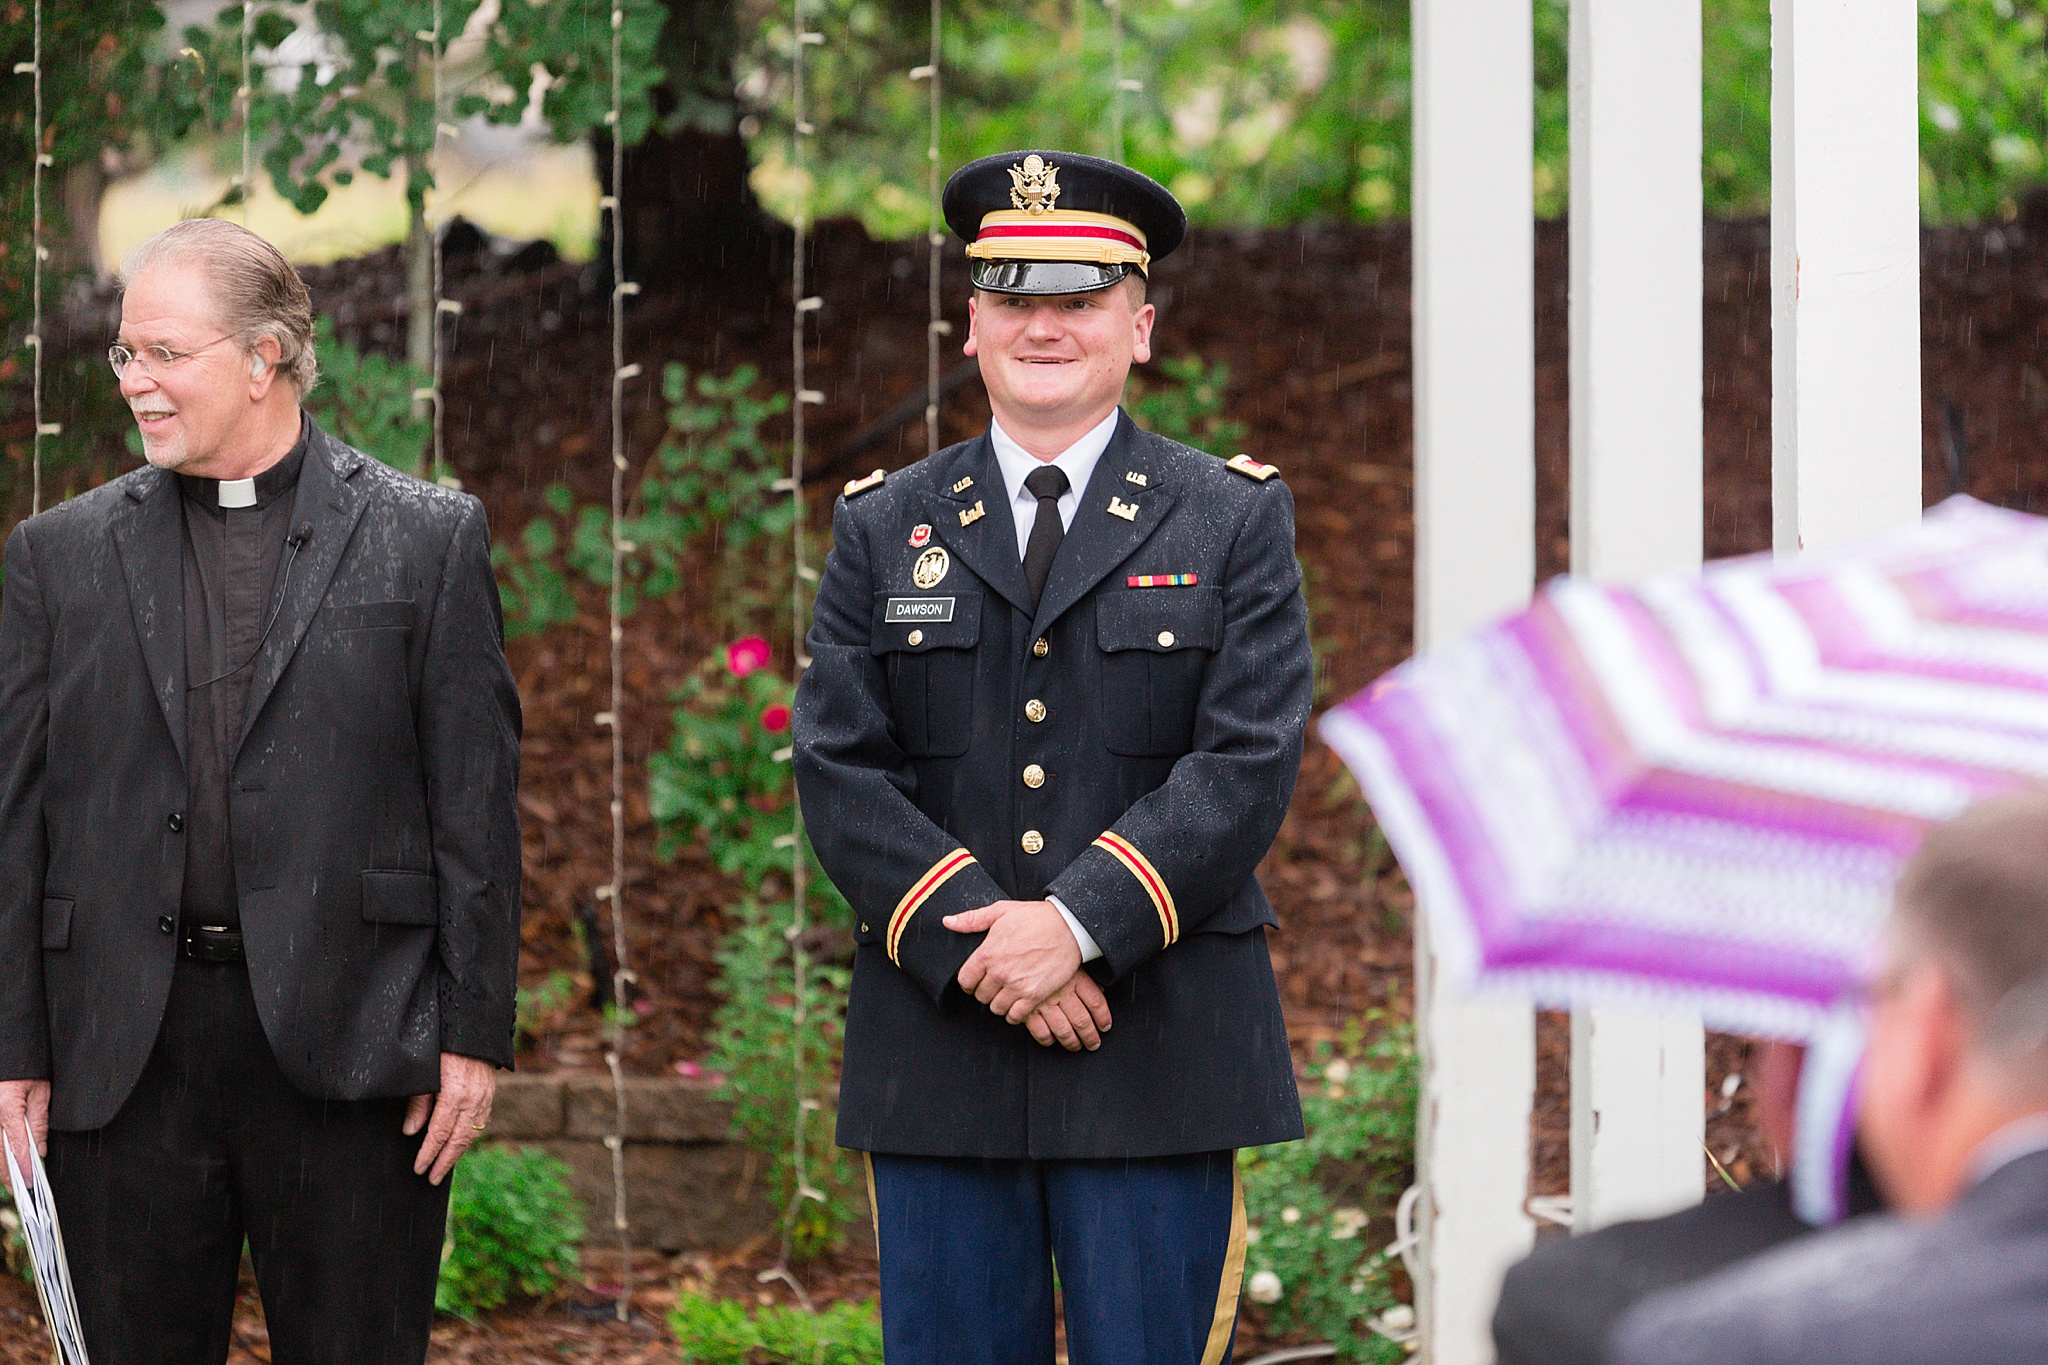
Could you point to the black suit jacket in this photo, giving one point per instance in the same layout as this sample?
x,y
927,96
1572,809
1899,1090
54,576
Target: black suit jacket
x,y
372,798
1559,1303
1967,1288
1169,741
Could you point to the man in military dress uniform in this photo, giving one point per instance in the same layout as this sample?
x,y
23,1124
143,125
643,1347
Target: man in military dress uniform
x,y
1053,719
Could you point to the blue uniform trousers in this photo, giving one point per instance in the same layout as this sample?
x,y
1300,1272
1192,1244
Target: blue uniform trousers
x,y
1149,1254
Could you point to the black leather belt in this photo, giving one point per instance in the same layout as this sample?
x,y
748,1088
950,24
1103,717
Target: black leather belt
x,y
203,943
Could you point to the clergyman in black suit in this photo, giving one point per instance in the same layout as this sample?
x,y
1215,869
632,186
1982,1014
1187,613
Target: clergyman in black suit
x,y
1954,1123
259,852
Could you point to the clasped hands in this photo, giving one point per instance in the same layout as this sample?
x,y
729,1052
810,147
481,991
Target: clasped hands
x,y
1028,970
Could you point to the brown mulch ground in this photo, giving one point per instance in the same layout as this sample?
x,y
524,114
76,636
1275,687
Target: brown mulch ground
x,y
1314,323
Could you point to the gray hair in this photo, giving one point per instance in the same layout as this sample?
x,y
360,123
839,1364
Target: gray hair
x,y
1975,898
255,288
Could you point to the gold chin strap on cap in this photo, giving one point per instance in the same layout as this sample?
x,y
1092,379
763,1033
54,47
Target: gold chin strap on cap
x,y
1059,235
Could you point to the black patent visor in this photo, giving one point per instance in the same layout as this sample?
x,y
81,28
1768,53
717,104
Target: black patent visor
x,y
1046,277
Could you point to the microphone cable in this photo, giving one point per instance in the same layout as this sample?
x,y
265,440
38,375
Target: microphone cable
x,y
292,542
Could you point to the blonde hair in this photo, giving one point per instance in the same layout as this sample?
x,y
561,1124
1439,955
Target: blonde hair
x,y
255,288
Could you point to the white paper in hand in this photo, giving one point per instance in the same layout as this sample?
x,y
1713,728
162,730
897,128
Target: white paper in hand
x,y
38,1210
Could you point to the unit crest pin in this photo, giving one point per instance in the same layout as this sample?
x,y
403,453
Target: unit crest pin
x,y
930,568
920,535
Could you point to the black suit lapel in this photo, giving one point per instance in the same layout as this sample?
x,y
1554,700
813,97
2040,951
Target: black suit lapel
x,y
326,501
986,543
149,534
1100,539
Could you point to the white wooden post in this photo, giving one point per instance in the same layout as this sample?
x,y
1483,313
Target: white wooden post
x,y
1638,1110
1475,556
1845,270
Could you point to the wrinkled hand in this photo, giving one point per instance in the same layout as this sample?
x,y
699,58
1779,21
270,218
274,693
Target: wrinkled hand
x,y
455,1118
1076,1017
25,1115
1028,956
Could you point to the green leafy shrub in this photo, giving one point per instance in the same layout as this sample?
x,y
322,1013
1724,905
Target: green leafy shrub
x,y
365,399
1187,405
711,473
512,1230
723,1332
725,780
1308,1204
531,585
755,1036
538,1007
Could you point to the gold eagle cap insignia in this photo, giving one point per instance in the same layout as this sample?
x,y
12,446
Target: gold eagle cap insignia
x,y
1035,185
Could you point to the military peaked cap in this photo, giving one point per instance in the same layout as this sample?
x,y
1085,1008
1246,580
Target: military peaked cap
x,y
1059,222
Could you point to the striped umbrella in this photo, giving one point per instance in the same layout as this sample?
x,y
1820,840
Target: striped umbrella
x,y
1696,792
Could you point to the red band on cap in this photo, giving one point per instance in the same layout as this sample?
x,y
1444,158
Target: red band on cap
x,y
1061,230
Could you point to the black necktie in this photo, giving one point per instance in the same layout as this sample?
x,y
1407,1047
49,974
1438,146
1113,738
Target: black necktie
x,y
1046,483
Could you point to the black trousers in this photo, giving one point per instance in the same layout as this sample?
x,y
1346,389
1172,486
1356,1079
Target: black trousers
x,y
215,1146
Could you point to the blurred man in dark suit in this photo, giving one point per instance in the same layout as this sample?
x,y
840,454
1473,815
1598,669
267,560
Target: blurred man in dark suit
x,y
1558,1304
1954,1123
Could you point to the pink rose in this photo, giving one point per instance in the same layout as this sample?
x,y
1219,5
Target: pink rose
x,y
775,719
744,656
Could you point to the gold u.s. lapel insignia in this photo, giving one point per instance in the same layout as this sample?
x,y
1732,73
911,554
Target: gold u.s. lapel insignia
x,y
1119,508
931,567
1035,185
920,535
1133,476
964,484
972,514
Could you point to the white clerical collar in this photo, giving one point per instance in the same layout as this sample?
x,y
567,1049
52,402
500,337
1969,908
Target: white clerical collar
x,y
1077,461
2021,1137
238,492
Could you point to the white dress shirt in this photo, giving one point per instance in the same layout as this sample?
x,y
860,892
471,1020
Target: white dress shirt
x,y
1077,462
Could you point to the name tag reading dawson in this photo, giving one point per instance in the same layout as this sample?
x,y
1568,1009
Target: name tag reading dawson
x,y
919,609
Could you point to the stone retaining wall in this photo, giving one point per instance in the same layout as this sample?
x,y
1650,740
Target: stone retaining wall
x,y
688,1186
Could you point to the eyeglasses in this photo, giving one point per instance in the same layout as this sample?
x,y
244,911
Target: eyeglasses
x,y
153,359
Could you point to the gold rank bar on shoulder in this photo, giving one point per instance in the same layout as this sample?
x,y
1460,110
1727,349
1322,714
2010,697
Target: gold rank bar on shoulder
x,y
855,487
1250,468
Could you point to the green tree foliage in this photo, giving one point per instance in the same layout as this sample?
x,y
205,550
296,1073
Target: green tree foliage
x,y
367,104
1277,111
102,112
1983,117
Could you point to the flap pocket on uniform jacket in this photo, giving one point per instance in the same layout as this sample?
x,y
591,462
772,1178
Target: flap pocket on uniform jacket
x,y
369,616
57,922
401,898
919,622
1160,619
